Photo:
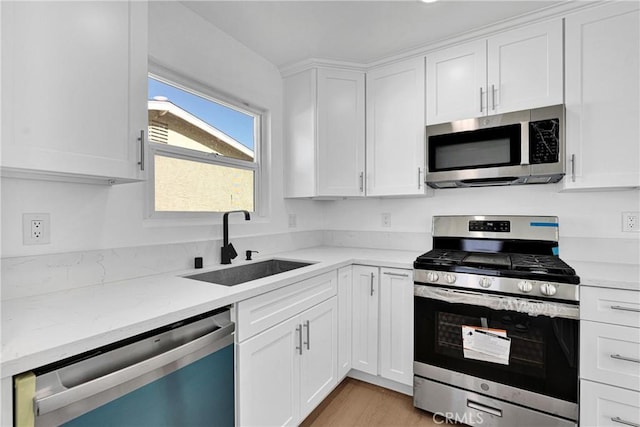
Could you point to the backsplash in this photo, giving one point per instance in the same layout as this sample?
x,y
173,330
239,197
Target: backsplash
x,y
34,275
592,258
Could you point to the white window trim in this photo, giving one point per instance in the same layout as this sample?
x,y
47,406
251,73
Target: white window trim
x,y
261,205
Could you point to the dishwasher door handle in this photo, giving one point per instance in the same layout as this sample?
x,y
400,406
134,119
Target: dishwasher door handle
x,y
138,374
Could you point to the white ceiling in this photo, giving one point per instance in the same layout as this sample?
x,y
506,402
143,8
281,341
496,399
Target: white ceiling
x,y
286,32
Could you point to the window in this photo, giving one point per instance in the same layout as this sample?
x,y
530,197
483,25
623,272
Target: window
x,y
203,149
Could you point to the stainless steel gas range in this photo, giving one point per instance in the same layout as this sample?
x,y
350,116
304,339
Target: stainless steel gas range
x,y
496,323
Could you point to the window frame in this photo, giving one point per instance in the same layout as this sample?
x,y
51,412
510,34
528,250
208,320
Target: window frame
x,y
188,84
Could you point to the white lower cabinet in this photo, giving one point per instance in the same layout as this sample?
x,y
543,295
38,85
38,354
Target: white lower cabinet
x,y
269,377
396,325
609,357
286,371
365,319
383,322
606,406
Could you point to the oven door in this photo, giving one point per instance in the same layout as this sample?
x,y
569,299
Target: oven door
x,y
543,354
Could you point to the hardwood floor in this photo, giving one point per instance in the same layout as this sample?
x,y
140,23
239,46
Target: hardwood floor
x,y
356,403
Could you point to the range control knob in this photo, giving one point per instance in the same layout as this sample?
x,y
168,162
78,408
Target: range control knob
x,y
485,282
432,276
525,286
548,289
450,278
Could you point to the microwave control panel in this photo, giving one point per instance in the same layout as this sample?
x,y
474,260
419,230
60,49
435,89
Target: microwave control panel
x,y
544,141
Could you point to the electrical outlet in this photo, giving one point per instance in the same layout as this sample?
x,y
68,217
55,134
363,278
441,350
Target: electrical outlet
x,y
292,220
36,229
386,220
631,221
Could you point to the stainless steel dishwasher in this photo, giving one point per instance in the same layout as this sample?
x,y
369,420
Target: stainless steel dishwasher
x,y
178,375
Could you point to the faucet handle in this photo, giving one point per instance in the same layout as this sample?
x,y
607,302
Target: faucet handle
x,y
231,251
249,254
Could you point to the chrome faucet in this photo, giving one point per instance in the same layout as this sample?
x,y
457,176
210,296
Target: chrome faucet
x,y
228,252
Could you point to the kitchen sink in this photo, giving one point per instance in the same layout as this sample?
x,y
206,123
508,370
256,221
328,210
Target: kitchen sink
x,y
248,272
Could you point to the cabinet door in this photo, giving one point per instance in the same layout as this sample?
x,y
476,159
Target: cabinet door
x,y
602,103
300,134
268,376
610,354
345,289
605,406
340,145
525,68
74,89
396,325
395,129
365,319
318,364
456,83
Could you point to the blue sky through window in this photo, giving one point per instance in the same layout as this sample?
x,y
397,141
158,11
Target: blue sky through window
x,y
232,122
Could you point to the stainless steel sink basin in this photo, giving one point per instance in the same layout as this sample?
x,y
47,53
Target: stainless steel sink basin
x,y
248,272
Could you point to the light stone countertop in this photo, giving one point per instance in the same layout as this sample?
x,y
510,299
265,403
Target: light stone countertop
x,y
42,329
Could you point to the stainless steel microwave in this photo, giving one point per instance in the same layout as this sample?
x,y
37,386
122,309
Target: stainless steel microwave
x,y
522,147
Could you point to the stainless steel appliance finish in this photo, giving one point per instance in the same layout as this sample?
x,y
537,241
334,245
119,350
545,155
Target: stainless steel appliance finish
x,y
496,273
523,147
78,387
478,409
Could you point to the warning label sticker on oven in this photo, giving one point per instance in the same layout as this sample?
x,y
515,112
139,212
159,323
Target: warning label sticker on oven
x,y
489,345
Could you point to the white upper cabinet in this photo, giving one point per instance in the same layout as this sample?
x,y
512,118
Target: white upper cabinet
x,y
525,68
396,129
602,103
456,82
324,133
514,70
74,90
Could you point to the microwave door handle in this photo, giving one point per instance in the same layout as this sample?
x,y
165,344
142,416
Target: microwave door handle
x,y
524,143
487,182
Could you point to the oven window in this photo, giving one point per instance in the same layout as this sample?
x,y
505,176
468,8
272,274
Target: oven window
x,y
543,354
481,148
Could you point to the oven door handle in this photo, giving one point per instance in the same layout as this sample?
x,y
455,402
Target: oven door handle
x,y
494,302
131,377
484,408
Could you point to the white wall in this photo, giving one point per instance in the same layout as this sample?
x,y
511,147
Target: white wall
x,y
89,217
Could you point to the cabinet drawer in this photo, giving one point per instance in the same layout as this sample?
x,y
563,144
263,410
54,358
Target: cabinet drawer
x,y
617,306
259,313
602,405
610,354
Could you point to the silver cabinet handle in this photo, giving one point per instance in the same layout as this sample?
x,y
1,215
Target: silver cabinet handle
x,y
134,376
371,284
483,408
388,273
621,421
299,332
621,308
481,99
626,359
306,325
493,97
573,168
361,182
141,139
419,174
